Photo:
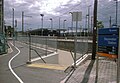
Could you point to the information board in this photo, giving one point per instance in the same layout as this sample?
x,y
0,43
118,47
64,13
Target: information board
x,y
108,41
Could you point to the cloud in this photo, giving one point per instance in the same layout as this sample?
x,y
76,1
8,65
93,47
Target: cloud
x,y
50,9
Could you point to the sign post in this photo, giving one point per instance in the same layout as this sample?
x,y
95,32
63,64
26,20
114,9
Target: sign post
x,y
118,61
76,16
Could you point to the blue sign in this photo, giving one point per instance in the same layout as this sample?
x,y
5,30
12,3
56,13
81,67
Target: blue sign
x,y
108,31
108,40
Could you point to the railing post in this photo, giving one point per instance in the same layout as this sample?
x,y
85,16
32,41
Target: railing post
x,y
29,60
46,46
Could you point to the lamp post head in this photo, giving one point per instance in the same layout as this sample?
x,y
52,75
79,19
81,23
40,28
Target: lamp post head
x,y
50,18
71,12
65,20
42,15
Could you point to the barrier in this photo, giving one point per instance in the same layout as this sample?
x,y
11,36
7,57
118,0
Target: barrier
x,y
3,44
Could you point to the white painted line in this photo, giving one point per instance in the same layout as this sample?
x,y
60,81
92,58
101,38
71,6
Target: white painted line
x,y
9,64
35,59
79,61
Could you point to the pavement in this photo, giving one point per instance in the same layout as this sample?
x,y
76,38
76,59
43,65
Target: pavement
x,y
38,72
86,72
25,73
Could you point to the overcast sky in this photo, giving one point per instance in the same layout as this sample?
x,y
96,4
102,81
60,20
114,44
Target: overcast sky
x,y
52,9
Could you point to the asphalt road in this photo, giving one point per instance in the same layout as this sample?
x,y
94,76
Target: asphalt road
x,y
25,74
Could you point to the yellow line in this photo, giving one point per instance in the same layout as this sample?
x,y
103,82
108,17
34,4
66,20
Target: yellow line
x,y
48,66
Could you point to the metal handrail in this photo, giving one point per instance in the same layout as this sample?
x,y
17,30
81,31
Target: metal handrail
x,y
73,69
39,55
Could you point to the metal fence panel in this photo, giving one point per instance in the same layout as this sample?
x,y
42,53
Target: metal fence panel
x,y
3,44
82,46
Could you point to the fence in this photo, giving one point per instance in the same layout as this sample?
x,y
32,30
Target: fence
x,y
3,44
39,45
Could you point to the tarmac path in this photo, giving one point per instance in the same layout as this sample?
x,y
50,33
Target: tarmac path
x,y
13,68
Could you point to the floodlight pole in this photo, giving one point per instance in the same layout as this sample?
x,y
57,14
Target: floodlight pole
x,y
13,27
59,26
116,10
22,23
42,23
89,19
51,26
64,27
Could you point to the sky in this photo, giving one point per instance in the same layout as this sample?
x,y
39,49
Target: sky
x,y
54,9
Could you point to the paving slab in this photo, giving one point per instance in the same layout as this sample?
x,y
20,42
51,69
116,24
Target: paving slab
x,y
86,73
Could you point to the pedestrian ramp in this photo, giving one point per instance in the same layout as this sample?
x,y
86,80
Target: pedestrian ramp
x,y
48,66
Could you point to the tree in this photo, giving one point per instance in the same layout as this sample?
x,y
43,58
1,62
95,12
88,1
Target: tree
x,y
100,24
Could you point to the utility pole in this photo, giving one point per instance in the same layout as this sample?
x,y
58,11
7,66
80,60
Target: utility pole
x,y
22,22
94,30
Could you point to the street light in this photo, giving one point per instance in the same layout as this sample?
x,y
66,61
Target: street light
x,y
23,15
42,23
72,24
51,26
89,19
116,10
64,27
59,26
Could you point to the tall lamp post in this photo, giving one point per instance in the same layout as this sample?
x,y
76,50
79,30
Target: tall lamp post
x,y
51,26
13,27
59,26
64,27
116,10
42,23
89,19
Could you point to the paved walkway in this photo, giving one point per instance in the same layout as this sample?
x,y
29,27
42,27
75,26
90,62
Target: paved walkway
x,y
86,73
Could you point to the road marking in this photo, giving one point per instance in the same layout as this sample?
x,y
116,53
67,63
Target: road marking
x,y
38,58
48,66
9,64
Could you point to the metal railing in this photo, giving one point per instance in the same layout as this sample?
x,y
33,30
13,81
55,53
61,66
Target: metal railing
x,y
41,45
